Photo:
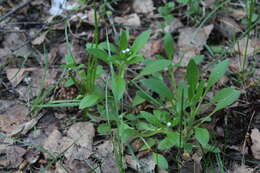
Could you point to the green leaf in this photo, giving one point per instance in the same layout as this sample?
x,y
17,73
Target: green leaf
x,y
198,59
108,46
148,144
154,66
137,100
69,60
134,59
125,132
168,45
172,139
192,75
118,87
151,119
202,135
218,71
123,41
225,97
103,128
140,41
158,86
89,101
183,1
160,161
69,82
99,53
211,148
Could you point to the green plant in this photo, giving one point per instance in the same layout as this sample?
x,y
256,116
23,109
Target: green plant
x,y
193,6
179,106
251,18
165,12
177,116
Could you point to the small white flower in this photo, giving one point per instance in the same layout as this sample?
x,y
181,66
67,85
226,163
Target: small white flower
x,y
27,80
126,50
169,124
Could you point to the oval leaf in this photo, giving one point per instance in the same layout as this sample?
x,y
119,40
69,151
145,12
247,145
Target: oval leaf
x,y
140,41
98,53
118,87
218,71
88,101
160,161
202,135
172,139
158,86
225,97
192,77
168,45
154,66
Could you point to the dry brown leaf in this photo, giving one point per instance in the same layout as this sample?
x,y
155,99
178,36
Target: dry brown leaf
x,y
82,133
16,75
238,14
148,163
79,141
173,26
39,40
191,42
229,27
143,6
77,166
109,164
151,48
17,40
11,156
52,143
247,47
12,117
26,127
241,169
255,136
129,20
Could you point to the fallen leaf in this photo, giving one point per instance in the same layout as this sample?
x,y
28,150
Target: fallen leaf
x,y
143,6
12,117
241,169
16,75
79,141
129,20
238,14
255,136
78,166
146,164
82,133
16,41
32,155
27,126
191,42
105,151
39,40
11,156
52,143
173,26
151,48
247,47
229,27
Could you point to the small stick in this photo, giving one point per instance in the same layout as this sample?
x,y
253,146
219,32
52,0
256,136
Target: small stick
x,y
10,13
